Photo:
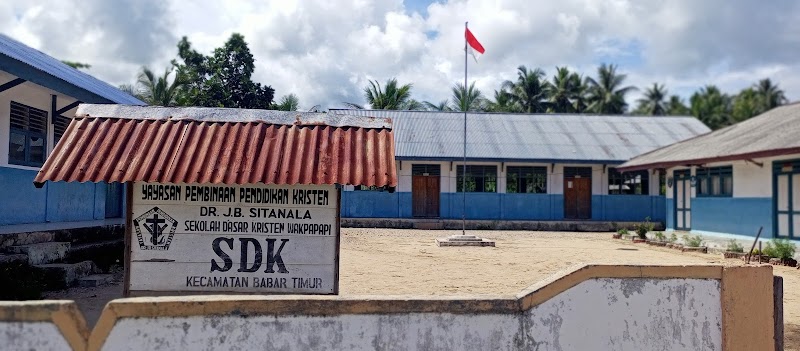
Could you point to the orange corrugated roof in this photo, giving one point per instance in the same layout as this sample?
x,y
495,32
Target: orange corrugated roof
x,y
128,149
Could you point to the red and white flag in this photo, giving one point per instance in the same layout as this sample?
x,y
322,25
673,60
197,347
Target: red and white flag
x,y
474,45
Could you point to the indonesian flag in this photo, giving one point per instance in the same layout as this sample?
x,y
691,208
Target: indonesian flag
x,y
474,45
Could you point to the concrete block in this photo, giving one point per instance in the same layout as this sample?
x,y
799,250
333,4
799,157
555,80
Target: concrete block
x,y
62,275
8,240
13,258
95,280
42,253
463,240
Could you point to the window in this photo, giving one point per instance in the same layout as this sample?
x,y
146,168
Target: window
x,y
715,181
369,188
526,180
59,127
28,131
662,182
479,179
628,183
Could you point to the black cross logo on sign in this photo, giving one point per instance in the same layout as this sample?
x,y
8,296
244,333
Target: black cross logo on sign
x,y
155,228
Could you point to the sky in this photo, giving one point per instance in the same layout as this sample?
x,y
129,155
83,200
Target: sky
x,y
326,51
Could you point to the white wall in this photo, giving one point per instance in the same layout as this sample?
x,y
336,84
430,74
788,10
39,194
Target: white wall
x,y
29,94
31,336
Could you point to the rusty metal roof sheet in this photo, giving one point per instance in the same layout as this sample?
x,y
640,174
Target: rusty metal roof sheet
x,y
204,151
773,133
437,135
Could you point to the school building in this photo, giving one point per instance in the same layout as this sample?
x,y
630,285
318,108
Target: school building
x,y
520,167
734,180
36,92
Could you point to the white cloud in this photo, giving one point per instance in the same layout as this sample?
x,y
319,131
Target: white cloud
x,y
325,51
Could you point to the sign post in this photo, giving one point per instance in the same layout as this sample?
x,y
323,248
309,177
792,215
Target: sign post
x,y
252,238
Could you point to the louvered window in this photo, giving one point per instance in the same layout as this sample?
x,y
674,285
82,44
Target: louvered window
x,y
28,134
59,127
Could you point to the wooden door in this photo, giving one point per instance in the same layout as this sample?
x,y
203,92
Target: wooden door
x,y
425,196
577,198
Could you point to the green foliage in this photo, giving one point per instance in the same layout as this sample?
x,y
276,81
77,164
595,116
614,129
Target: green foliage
x,y
622,231
223,79
643,228
158,91
288,103
470,99
77,65
606,93
660,236
566,92
390,97
780,248
442,106
676,107
653,102
693,241
711,107
734,246
673,237
530,91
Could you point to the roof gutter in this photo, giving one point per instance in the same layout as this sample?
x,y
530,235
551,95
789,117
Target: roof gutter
x,y
699,161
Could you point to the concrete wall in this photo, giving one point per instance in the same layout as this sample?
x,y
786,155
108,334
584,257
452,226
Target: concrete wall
x,y
590,307
501,205
750,207
20,201
42,325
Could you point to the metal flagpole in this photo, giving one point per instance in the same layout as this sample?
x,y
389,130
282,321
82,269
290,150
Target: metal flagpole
x,y
464,173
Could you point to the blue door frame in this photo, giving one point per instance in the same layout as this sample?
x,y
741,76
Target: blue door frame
x,y
785,170
684,177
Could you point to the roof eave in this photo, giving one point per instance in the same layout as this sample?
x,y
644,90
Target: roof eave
x,y
701,161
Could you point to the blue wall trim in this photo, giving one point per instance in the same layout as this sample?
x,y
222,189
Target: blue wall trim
x,y
21,202
495,206
733,215
670,205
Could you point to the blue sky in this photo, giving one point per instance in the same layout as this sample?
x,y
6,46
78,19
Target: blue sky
x,y
325,52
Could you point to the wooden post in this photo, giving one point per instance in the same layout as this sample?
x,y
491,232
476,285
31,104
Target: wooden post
x,y
777,305
128,228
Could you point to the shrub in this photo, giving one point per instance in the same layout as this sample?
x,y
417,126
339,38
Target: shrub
x,y
622,231
693,241
673,238
734,246
643,228
660,236
780,248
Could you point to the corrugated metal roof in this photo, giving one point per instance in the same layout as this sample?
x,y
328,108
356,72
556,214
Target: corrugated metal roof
x,y
532,137
187,151
51,66
775,132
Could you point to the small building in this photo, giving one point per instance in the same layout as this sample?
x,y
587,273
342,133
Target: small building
x,y
36,92
520,167
734,180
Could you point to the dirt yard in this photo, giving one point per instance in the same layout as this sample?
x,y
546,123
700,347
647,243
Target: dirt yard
x,y
400,262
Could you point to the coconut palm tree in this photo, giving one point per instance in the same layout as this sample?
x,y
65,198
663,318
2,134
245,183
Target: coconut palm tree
x,y
158,91
503,102
771,96
676,107
467,99
606,93
653,102
390,97
564,91
529,91
711,107
443,105
288,103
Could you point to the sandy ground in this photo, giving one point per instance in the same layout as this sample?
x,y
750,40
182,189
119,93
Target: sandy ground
x,y
400,262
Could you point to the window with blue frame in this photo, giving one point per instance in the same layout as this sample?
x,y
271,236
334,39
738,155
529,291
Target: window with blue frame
x,y
27,135
532,180
714,181
628,183
479,179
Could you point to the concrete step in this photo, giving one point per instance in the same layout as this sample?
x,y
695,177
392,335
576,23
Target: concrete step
x,y
13,258
103,253
62,275
95,280
42,253
11,239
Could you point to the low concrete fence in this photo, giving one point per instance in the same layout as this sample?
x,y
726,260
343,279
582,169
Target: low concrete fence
x,y
591,307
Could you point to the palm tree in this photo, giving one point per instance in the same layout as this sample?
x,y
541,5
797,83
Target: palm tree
x,y
529,91
443,105
771,96
652,103
606,94
580,101
564,90
711,107
288,103
391,97
503,102
464,99
676,107
158,90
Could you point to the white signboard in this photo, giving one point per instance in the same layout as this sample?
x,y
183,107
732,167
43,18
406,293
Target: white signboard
x,y
234,238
